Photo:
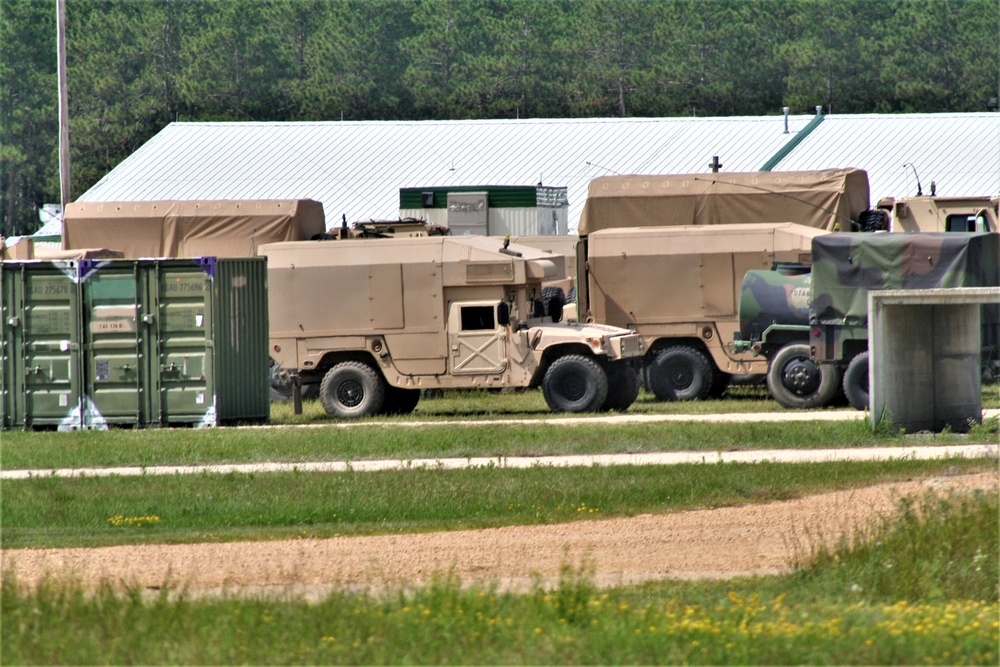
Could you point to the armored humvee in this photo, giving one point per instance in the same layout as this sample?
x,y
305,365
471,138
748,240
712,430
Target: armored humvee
x,y
373,324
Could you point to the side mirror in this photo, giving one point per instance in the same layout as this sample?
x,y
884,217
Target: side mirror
x,y
503,313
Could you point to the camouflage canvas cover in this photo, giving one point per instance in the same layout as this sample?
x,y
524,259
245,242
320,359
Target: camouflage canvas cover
x,y
218,228
825,199
846,266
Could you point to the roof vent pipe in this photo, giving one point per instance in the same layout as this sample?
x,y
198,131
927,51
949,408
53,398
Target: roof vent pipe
x,y
819,110
784,111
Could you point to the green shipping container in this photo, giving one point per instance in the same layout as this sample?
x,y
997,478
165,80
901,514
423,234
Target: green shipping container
x,y
157,343
40,371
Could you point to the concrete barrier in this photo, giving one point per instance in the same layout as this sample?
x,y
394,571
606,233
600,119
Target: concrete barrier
x,y
925,364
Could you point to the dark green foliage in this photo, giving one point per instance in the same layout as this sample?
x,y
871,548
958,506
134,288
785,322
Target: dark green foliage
x,y
134,66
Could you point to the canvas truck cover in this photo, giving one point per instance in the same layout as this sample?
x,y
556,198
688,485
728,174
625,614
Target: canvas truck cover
x,y
826,199
846,266
221,228
668,275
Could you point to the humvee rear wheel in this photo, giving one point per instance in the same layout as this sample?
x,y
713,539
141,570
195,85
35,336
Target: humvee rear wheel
x,y
400,401
681,373
856,382
352,389
575,383
796,381
623,386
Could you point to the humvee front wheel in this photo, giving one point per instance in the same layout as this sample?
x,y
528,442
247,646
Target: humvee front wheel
x,y
681,373
352,389
856,382
575,383
796,381
623,386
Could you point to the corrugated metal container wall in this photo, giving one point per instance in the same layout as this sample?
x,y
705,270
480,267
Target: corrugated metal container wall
x,y
157,342
242,364
40,373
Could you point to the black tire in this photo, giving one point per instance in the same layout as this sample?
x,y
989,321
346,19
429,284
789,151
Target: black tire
x,y
796,381
623,386
352,389
400,401
856,382
571,295
681,373
554,299
575,383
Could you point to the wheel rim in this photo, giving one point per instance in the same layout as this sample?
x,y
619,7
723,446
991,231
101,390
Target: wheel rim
x,y
801,376
679,375
350,393
573,386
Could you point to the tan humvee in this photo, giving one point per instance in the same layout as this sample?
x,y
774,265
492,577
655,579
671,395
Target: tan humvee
x,y
941,214
375,323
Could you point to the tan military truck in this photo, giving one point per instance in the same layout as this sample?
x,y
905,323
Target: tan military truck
x,y
941,214
679,288
666,255
375,323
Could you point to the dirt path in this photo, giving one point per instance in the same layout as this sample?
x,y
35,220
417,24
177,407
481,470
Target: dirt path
x,y
726,542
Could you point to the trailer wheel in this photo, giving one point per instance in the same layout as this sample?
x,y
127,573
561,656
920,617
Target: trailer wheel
x,y
856,382
400,401
575,383
352,389
681,373
796,381
623,386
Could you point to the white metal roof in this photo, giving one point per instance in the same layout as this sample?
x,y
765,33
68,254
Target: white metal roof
x,y
357,168
960,153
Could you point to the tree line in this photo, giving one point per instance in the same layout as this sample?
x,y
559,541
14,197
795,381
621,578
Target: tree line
x,y
135,65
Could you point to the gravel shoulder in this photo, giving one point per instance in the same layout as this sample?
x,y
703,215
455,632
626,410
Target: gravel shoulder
x,y
715,543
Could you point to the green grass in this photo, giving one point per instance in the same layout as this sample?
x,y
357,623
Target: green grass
x,y
837,611
100,511
530,404
377,439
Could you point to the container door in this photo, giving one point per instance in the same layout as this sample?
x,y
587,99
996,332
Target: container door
x,y
44,319
181,293
113,351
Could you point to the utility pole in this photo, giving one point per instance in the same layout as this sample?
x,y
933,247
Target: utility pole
x,y
64,181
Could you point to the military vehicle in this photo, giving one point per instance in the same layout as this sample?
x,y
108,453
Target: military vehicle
x,y
666,255
813,324
678,287
373,324
941,214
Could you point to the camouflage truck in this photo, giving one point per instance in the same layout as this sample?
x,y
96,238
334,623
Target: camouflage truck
x,y
679,285
813,327
373,324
